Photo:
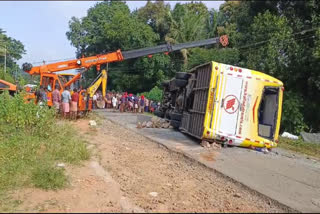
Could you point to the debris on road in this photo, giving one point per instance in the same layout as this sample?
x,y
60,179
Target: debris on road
x,y
216,145
156,122
92,123
139,125
290,136
264,150
259,149
213,145
205,144
237,195
153,194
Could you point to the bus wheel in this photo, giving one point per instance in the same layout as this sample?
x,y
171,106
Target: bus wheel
x,y
175,123
183,75
176,116
181,83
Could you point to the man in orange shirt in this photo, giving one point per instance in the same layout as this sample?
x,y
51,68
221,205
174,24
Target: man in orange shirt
x,y
56,98
74,104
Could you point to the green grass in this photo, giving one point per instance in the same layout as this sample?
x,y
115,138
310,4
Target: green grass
x,y
48,177
32,143
300,146
8,204
27,159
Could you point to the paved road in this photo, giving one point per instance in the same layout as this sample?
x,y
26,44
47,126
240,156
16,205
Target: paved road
x,y
291,179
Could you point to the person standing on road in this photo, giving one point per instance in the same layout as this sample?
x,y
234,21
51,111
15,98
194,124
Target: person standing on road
x,y
123,103
118,101
135,102
130,103
141,107
114,102
126,102
66,99
94,100
147,105
43,97
74,104
56,98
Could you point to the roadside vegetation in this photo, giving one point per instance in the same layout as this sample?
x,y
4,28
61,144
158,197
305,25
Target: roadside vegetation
x,y
154,94
300,146
32,143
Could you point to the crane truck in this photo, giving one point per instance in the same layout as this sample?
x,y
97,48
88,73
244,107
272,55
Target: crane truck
x,y
49,77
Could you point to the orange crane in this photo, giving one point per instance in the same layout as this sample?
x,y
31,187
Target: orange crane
x,y
48,76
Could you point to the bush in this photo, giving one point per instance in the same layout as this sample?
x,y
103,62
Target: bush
x,y
292,117
17,113
32,143
155,94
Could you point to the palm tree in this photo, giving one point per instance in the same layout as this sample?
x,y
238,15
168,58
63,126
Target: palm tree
x,y
184,28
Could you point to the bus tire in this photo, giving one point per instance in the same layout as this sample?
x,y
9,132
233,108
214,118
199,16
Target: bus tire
x,y
158,113
175,124
181,83
165,84
176,116
183,75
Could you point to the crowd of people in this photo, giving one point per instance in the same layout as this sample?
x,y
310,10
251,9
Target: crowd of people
x,y
125,102
66,103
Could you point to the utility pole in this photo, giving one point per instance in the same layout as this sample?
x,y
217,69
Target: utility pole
x,y
5,58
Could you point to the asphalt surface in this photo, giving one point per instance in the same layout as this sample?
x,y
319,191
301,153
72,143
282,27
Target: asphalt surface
x,y
290,179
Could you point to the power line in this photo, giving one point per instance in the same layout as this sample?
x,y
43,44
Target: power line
x,y
55,60
302,38
265,41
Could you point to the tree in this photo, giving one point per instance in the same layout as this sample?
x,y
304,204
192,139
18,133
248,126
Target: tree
x,y
157,15
77,36
127,32
13,50
188,23
99,32
88,34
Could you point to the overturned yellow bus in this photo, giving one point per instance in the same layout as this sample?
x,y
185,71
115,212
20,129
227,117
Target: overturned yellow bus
x,y
226,104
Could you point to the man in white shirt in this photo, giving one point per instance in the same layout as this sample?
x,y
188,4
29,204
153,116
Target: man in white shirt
x,y
94,100
66,99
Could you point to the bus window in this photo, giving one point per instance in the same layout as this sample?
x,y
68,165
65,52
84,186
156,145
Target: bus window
x,y
267,113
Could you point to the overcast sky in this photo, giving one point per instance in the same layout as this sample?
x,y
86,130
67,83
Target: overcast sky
x,y
42,25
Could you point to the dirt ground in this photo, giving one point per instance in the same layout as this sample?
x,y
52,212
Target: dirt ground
x,y
129,173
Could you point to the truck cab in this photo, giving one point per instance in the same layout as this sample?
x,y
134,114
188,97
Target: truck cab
x,y
228,104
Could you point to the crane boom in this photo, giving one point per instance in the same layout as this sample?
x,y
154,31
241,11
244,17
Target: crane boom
x,y
87,62
167,48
